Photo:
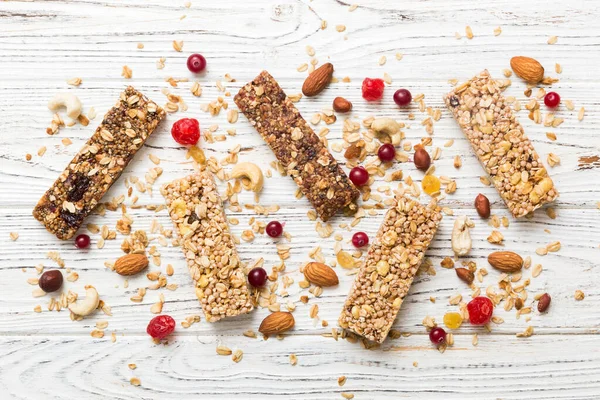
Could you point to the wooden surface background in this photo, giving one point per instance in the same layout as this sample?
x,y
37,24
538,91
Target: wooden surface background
x,y
48,356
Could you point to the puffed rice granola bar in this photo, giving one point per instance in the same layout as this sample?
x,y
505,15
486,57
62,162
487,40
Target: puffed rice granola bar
x,y
501,145
199,218
390,266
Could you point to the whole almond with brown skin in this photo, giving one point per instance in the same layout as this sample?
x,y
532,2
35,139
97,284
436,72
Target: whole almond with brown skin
x,y
465,275
131,264
506,261
527,68
318,80
482,205
276,323
320,274
544,302
341,105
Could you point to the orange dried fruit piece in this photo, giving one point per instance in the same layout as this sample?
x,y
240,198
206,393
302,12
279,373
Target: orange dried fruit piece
x,y
453,320
345,259
197,154
431,184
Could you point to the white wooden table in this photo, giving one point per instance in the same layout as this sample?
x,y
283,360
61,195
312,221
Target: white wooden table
x,y
47,356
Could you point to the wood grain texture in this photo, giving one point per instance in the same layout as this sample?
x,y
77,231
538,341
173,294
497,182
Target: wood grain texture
x,y
47,356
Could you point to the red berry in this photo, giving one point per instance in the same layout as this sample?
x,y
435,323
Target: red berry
x,y
437,336
360,239
274,229
480,310
82,241
359,176
257,277
551,99
161,326
186,131
196,63
372,89
386,152
402,97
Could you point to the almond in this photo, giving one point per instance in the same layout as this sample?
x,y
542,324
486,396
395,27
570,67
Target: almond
x,y
276,323
465,275
527,68
131,264
320,274
318,80
506,261
341,105
544,302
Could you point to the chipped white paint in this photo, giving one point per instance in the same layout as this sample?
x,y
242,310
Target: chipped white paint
x,y
45,43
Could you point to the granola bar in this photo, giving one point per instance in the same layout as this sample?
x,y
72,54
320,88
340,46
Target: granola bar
x,y
199,218
300,151
98,164
501,145
388,271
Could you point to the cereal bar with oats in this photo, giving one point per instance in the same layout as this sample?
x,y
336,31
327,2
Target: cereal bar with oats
x,y
98,164
386,275
300,151
197,212
501,145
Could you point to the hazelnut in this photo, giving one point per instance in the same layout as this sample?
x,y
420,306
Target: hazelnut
x,y
422,159
482,205
51,281
341,105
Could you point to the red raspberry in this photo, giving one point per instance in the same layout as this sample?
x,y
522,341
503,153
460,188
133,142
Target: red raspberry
x,y
372,89
161,326
480,310
186,131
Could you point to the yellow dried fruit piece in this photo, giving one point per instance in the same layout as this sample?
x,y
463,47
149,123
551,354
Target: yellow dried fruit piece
x,y
345,260
431,184
198,155
453,320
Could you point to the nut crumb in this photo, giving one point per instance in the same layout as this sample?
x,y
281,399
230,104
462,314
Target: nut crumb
x,y
579,295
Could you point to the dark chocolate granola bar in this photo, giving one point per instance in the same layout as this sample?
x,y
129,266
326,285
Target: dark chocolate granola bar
x,y
98,164
296,146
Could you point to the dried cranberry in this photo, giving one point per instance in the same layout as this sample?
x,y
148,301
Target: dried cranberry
x,y
386,152
359,176
196,63
552,99
186,131
77,184
161,326
274,229
402,97
437,336
360,239
82,241
257,277
480,310
372,89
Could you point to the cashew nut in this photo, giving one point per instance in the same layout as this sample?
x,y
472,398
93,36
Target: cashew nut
x,y
461,238
67,100
252,173
88,305
387,127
